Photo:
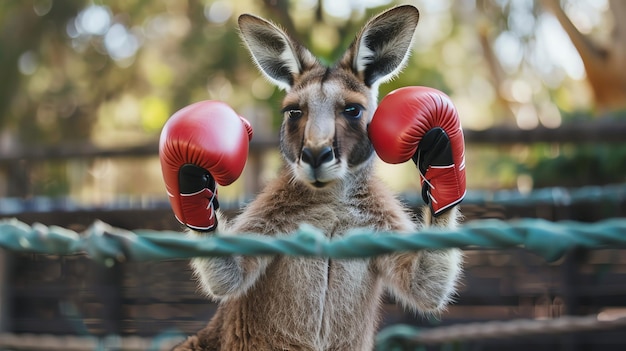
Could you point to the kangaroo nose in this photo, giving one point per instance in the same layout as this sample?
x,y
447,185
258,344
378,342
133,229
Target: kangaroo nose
x,y
317,157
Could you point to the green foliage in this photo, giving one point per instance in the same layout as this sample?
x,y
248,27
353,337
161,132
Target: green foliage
x,y
581,164
572,165
51,179
29,40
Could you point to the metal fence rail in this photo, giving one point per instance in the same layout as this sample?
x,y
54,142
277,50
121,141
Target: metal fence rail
x,y
602,132
611,193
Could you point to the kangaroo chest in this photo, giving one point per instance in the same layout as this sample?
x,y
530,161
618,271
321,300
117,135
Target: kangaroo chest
x,y
316,303
320,300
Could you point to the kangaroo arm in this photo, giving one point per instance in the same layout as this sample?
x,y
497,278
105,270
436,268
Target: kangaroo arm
x,y
424,280
229,276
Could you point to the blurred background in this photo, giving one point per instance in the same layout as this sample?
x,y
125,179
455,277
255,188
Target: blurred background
x,y
86,86
83,78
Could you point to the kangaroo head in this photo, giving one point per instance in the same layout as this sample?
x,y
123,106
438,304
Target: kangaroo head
x,y
326,110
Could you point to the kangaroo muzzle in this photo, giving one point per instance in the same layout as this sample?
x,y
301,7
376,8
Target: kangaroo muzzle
x,y
316,157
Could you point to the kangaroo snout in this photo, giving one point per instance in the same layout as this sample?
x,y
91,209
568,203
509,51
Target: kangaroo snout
x,y
315,157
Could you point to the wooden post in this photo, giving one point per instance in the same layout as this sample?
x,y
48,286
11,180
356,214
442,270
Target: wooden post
x,y
108,288
6,267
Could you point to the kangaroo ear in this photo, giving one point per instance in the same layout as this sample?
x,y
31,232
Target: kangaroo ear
x,y
382,47
277,56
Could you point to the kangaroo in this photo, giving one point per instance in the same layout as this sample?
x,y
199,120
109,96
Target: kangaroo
x,y
327,181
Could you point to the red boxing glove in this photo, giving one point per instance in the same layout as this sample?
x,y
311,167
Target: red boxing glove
x,y
202,144
422,124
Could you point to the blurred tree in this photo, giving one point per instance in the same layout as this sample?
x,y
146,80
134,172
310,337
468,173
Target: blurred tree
x,y
112,72
537,49
27,28
604,62
551,62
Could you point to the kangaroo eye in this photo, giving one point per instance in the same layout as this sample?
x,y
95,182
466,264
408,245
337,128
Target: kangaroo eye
x,y
353,111
293,113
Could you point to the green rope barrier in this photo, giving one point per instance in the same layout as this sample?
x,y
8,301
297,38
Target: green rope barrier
x,y
107,244
104,243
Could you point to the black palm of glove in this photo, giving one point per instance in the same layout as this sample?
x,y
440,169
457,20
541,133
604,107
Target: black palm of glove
x,y
433,150
196,184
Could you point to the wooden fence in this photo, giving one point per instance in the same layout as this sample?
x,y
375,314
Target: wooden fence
x,y
72,295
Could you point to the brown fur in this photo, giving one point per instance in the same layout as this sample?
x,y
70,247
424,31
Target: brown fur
x,y
294,303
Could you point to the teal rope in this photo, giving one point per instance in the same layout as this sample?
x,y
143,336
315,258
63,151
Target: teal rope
x,y
613,193
406,337
608,194
102,242
398,337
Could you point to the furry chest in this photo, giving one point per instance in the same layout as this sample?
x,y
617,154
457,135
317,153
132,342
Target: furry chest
x,y
326,302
